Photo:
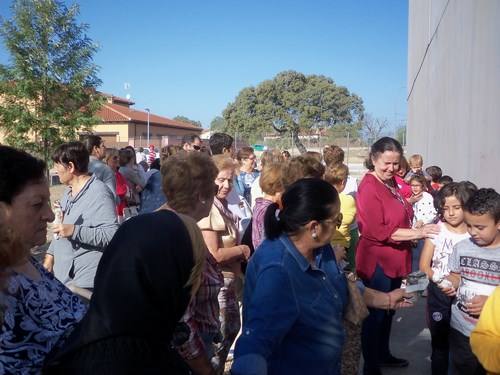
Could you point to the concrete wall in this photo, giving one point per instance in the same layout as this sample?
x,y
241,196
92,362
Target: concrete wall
x,y
454,107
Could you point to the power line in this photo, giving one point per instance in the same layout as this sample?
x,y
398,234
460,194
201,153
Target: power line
x,y
427,50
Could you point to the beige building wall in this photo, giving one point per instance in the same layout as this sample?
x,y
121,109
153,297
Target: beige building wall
x,y
454,92
121,130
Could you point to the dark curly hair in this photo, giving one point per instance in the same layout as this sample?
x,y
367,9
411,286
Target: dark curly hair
x,y
220,141
17,170
74,152
460,190
484,201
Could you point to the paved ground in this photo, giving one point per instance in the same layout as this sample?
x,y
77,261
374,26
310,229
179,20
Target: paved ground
x,y
411,340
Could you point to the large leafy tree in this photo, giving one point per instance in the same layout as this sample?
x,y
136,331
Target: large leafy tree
x,y
293,103
48,89
188,120
218,124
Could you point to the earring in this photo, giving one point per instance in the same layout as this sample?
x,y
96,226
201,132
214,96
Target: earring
x,y
314,235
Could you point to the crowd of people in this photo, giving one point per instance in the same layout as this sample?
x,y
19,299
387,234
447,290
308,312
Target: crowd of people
x,y
199,259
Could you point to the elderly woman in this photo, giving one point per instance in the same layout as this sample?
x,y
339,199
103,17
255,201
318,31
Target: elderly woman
x,y
247,173
89,219
185,176
38,311
295,294
143,289
271,183
383,255
220,231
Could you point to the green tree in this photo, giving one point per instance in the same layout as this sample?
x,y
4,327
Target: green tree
x,y
48,89
218,124
187,120
293,103
400,134
373,128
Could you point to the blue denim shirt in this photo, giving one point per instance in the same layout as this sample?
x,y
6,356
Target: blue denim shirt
x,y
152,196
241,186
292,313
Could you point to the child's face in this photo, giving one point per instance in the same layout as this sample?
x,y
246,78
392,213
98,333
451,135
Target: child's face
x,y
416,187
453,213
416,168
482,228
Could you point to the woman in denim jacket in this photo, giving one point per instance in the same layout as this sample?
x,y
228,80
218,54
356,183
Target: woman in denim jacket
x,y
247,173
295,293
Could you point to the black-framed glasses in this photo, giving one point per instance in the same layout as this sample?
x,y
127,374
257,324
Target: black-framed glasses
x,y
196,147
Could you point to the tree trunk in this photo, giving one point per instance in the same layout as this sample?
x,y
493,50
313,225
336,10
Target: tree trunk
x,y
296,140
46,158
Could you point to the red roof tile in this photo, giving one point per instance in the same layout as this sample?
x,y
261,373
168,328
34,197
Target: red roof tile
x,y
119,113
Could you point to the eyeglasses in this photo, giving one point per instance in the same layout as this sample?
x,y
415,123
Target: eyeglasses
x,y
196,147
337,221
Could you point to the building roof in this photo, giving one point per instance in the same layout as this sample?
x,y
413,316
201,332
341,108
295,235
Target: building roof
x,y
116,99
119,113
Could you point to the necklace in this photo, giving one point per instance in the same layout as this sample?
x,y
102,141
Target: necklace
x,y
390,186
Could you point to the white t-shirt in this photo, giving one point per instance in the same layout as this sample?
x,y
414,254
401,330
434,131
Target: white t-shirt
x,y
351,186
443,248
424,209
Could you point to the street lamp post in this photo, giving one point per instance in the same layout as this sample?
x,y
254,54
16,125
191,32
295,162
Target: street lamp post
x,y
147,110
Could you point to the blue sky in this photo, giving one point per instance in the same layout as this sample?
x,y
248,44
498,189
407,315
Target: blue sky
x,y
192,58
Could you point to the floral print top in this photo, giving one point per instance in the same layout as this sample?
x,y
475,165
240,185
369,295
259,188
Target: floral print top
x,y
38,316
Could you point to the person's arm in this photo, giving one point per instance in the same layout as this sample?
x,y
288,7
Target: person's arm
x,y
380,300
476,304
426,258
454,278
224,254
48,262
134,176
372,209
104,213
193,350
485,338
270,313
427,231
454,275
109,179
